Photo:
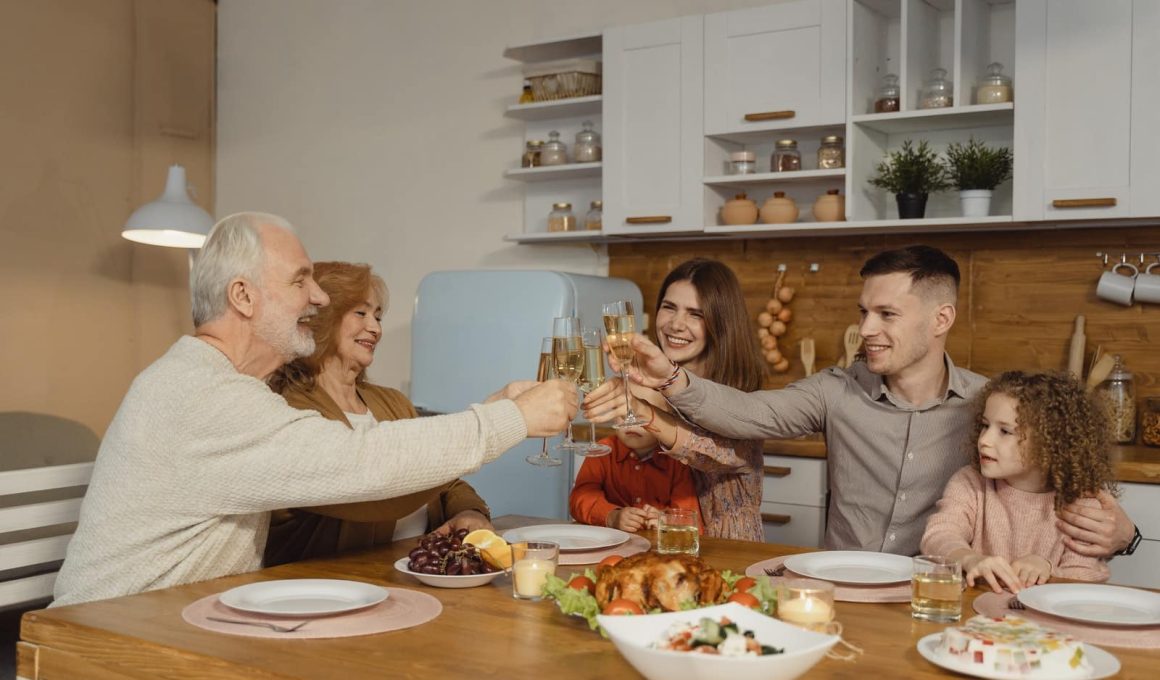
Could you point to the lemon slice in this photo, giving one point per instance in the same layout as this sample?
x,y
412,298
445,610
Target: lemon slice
x,y
493,549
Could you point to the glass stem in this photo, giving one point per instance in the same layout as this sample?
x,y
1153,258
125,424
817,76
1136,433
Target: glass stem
x,y
629,415
591,434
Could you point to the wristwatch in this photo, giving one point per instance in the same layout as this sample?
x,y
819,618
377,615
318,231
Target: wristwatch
x,y
1135,543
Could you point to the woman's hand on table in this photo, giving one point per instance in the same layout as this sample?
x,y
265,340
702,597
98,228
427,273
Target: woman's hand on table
x,y
467,519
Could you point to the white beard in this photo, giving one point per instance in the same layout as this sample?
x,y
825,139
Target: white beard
x,y
284,336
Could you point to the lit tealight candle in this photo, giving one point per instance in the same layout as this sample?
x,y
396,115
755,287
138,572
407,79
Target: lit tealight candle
x,y
806,602
530,576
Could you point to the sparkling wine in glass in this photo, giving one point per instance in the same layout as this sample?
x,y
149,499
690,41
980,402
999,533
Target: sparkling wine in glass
x,y
568,360
592,378
544,372
620,326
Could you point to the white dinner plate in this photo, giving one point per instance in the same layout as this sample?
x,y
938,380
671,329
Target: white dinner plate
x,y
303,597
852,566
571,537
1092,603
1104,664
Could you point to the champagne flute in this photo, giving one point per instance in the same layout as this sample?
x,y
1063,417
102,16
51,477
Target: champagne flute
x,y
593,377
544,372
620,325
568,360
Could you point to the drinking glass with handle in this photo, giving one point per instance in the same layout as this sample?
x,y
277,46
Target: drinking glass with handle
x,y
568,361
592,378
545,372
620,326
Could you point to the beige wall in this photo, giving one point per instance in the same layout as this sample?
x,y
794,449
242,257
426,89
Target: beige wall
x,y
377,127
98,98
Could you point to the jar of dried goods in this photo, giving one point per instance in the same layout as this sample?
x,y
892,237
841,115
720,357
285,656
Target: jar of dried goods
x,y
994,88
555,152
594,220
531,157
739,210
889,95
587,149
786,157
561,218
1118,392
937,91
1150,422
831,153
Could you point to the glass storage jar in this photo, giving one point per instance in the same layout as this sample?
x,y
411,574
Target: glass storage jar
x,y
994,88
742,163
554,152
831,154
1150,422
786,157
889,95
937,91
1118,393
561,218
587,149
594,220
531,157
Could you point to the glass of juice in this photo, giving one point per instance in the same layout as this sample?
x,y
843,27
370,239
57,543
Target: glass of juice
x,y
678,532
936,589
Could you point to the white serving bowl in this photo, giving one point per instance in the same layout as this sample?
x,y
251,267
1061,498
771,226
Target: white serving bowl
x,y
444,581
633,636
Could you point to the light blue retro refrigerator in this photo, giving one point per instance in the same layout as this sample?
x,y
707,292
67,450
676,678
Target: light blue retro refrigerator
x,y
472,332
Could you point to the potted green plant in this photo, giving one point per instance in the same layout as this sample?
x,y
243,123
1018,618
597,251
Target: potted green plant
x,y
975,170
912,173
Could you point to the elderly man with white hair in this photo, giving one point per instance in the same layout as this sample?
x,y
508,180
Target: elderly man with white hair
x,y
201,450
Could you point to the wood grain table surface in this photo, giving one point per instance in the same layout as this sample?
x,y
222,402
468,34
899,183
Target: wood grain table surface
x,y
482,632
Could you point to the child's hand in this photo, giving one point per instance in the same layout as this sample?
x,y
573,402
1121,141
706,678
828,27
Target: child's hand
x,y
652,516
627,519
995,570
1032,570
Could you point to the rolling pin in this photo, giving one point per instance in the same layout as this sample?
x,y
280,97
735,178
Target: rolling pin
x,y
1075,355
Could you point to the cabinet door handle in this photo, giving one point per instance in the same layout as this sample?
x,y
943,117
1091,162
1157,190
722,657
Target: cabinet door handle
x,y
777,471
650,219
769,115
1084,203
775,519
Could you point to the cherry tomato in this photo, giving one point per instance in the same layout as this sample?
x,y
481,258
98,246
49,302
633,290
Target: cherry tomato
x,y
610,561
745,599
622,606
582,583
743,585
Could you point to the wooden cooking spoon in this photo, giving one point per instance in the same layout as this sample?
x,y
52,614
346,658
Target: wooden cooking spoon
x,y
852,341
808,355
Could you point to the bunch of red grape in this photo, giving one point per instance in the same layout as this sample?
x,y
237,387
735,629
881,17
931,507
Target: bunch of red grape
x,y
447,555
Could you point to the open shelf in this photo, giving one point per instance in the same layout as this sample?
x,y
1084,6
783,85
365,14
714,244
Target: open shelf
x,y
568,47
950,118
557,108
554,172
875,226
593,236
763,178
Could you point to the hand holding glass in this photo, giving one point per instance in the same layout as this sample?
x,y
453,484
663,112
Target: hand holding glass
x,y
593,377
543,373
620,326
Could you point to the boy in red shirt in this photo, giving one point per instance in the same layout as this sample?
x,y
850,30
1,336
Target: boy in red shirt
x,y
626,489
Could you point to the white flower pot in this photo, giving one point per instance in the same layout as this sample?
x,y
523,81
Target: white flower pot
x,y
976,202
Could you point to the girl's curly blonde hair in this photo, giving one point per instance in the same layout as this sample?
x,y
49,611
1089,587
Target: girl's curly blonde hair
x,y
1062,431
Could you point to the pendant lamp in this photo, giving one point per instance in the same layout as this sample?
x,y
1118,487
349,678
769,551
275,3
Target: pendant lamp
x,y
172,219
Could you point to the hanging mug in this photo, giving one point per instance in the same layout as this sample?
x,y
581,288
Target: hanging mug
x,y
1116,287
1148,285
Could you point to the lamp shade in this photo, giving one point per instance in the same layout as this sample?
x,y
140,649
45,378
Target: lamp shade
x,y
172,219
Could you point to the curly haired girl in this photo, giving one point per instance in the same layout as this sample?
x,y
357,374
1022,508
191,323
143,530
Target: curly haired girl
x,y
1042,443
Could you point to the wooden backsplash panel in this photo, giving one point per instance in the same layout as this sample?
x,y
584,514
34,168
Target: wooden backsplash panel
x,y
1020,293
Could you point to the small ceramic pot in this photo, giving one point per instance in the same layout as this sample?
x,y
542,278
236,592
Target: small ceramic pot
x,y
779,210
739,210
830,207
975,202
911,206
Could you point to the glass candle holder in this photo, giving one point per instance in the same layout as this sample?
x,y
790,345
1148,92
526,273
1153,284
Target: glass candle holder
x,y
806,603
532,563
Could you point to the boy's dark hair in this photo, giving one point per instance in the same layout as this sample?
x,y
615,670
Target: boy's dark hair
x,y
930,269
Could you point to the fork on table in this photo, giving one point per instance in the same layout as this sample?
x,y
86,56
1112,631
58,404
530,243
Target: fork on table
x,y
779,571
1014,603
261,624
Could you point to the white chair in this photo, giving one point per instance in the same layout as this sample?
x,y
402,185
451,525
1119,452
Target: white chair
x,y
36,531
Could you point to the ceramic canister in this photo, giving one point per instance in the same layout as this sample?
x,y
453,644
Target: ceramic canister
x,y
739,210
778,209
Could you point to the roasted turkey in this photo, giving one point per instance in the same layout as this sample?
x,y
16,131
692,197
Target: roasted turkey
x,y
660,581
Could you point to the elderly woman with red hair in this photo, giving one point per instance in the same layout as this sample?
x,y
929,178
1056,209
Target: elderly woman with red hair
x,y
333,382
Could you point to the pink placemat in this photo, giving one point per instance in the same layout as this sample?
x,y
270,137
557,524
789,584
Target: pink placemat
x,y
634,545
403,609
1142,637
894,592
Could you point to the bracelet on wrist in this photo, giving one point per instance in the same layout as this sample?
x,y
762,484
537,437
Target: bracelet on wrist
x,y
672,378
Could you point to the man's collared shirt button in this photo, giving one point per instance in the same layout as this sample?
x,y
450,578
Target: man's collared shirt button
x,y
892,537
910,455
902,497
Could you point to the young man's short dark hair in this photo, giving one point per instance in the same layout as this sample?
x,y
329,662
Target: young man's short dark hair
x,y
930,269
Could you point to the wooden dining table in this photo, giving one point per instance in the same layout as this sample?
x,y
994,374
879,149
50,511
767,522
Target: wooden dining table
x,y
482,632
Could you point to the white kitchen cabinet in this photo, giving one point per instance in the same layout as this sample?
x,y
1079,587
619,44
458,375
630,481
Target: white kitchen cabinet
x,y
769,68
793,501
1142,503
653,115
1085,143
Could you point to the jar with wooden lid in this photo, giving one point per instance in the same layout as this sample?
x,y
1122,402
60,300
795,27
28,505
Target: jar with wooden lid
x,y
786,157
889,95
587,148
994,88
531,157
561,218
594,220
1118,393
831,153
1150,422
554,152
